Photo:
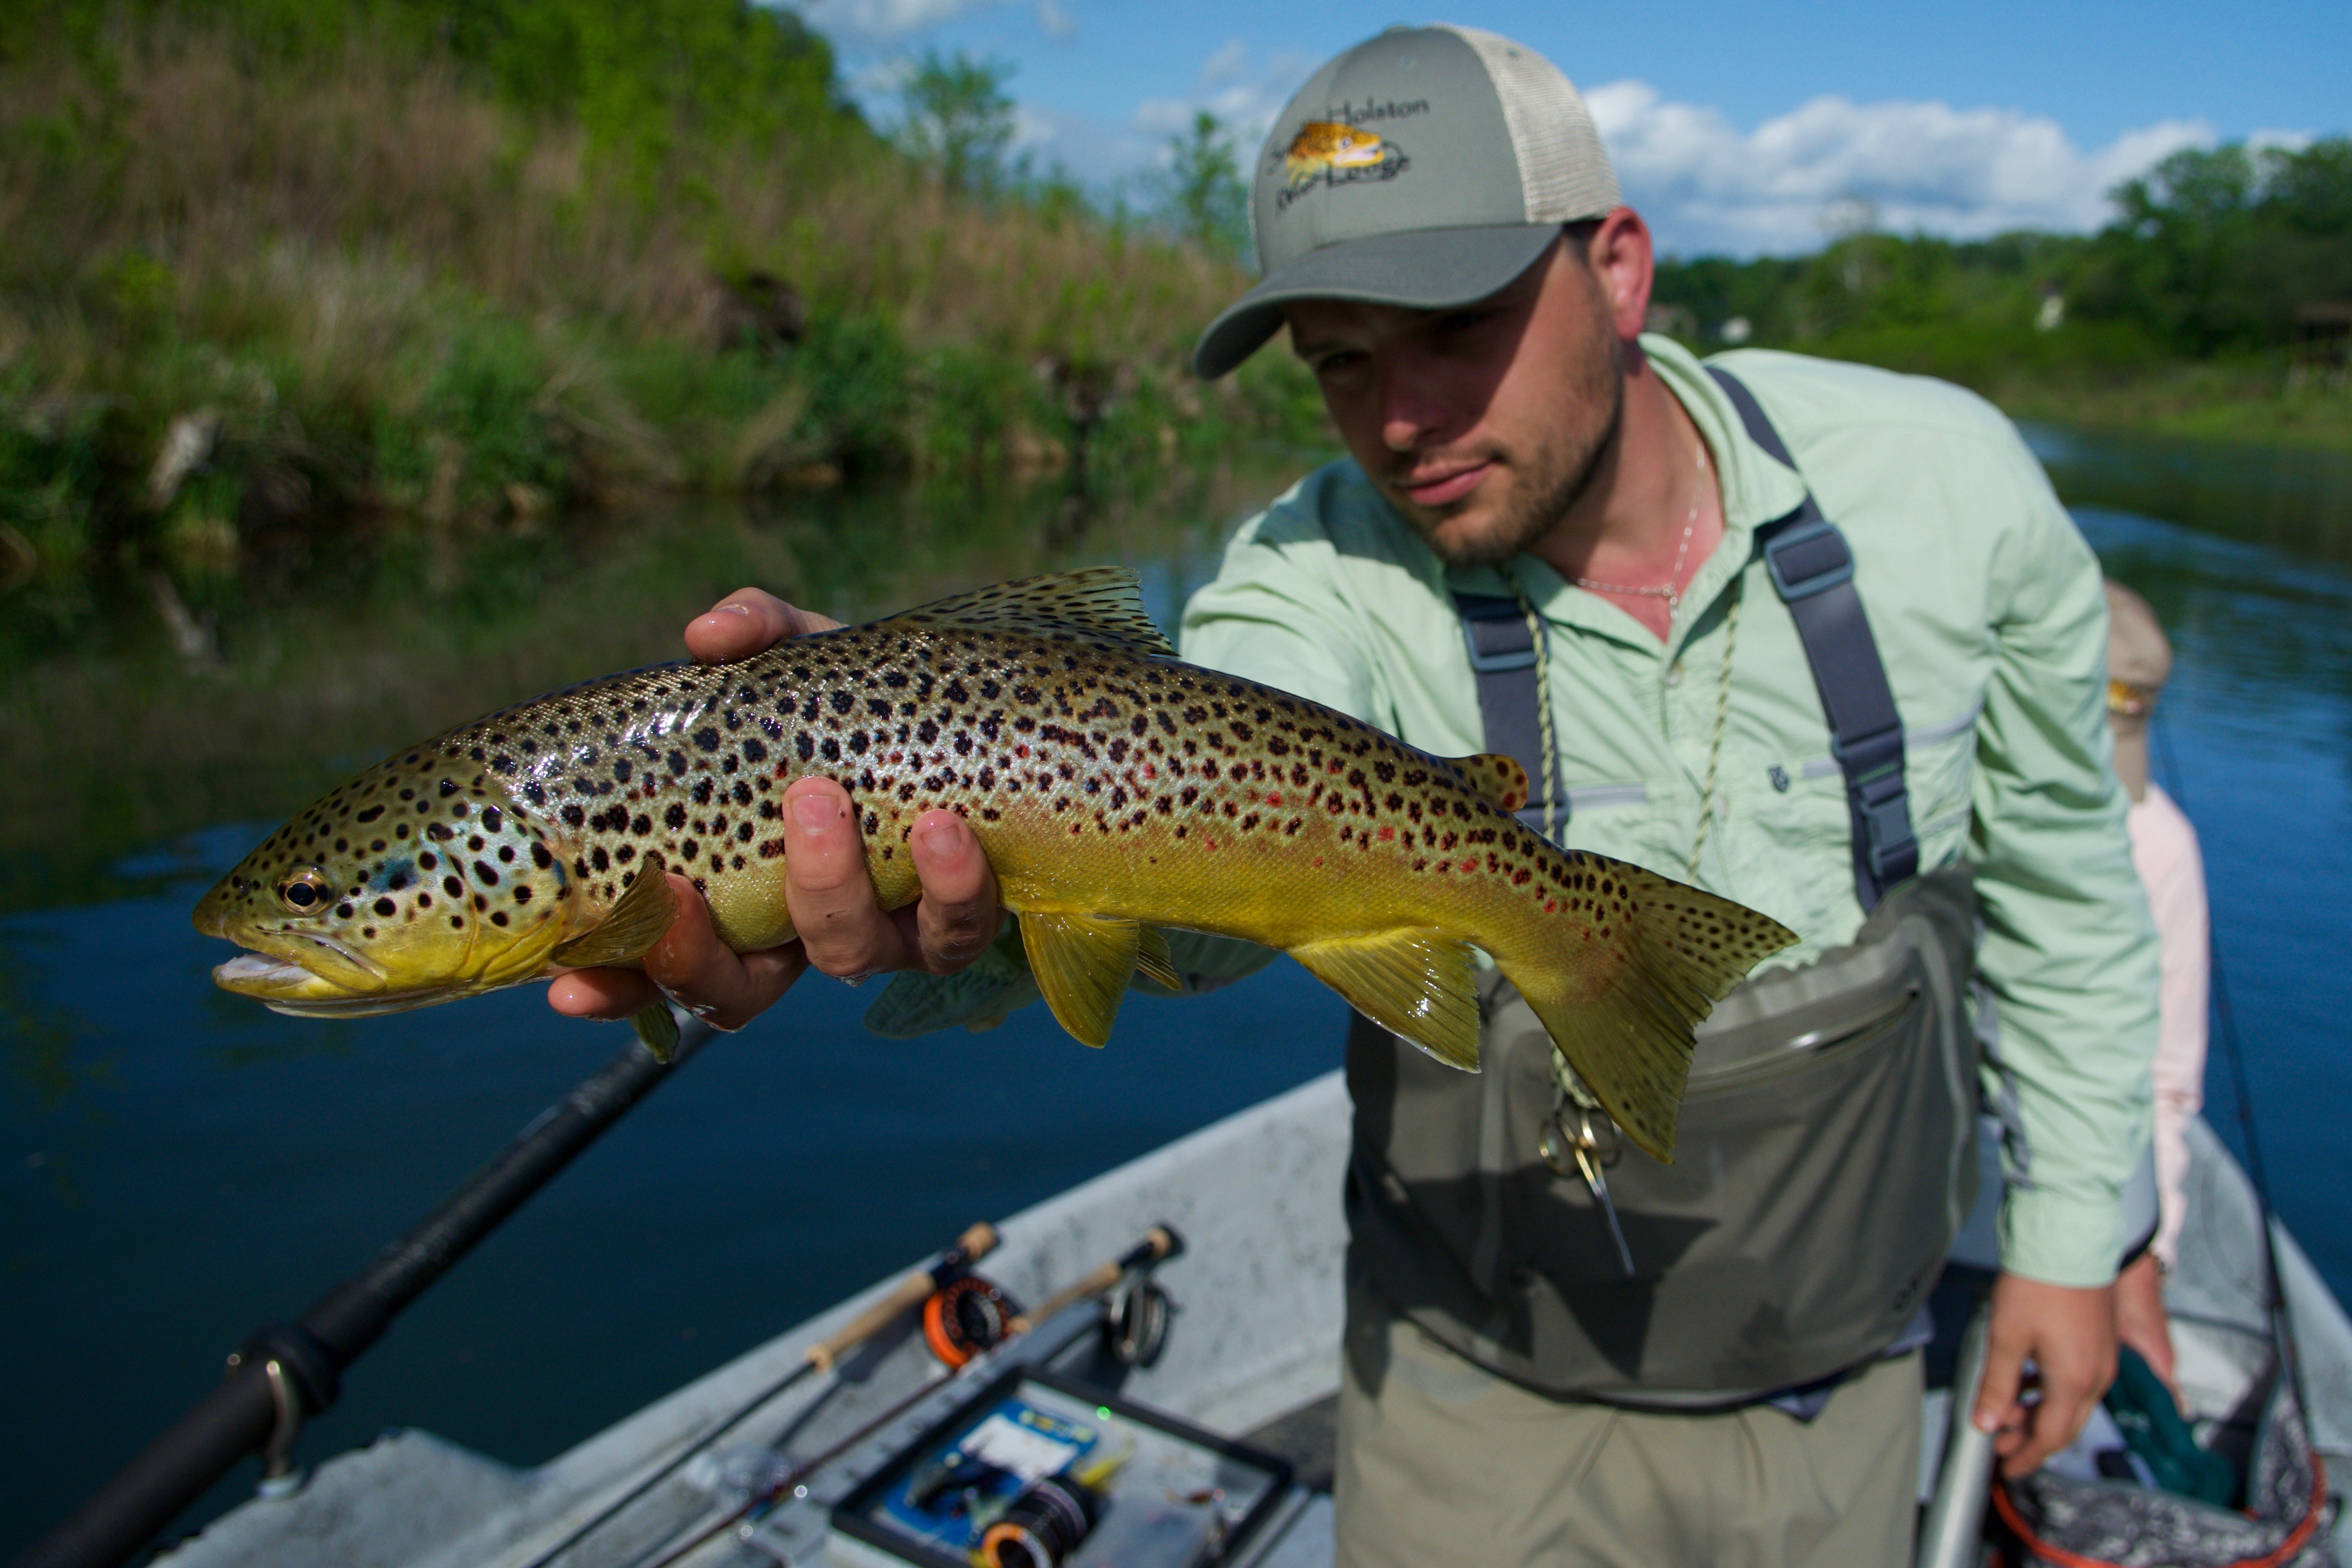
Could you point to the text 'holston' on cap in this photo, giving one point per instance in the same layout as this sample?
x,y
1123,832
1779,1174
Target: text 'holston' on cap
x,y
1425,167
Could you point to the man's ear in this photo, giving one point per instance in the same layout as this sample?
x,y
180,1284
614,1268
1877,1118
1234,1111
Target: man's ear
x,y
1624,264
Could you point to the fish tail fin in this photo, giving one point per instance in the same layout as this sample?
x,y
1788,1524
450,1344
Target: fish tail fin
x,y
1621,1007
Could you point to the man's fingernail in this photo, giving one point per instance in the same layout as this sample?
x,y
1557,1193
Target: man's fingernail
x,y
730,609
815,813
1987,1422
940,837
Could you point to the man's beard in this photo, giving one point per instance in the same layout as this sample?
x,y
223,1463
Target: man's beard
x,y
1552,482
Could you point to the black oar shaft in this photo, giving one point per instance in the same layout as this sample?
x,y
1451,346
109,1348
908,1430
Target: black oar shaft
x,y
237,1418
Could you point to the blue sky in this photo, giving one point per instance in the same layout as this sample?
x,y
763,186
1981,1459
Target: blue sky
x,y
1735,128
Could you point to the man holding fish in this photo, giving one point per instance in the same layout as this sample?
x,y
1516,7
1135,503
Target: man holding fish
x,y
1442,236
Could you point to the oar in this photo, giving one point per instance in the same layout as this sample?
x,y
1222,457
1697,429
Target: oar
x,y
908,1294
287,1373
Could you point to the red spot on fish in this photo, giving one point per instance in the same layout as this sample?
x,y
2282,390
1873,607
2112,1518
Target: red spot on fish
x,y
1552,906
1388,835
1272,799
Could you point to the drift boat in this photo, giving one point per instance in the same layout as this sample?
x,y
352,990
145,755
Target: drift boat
x,y
727,1472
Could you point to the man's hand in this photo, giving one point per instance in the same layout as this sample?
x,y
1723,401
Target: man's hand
x,y
842,931
2070,1334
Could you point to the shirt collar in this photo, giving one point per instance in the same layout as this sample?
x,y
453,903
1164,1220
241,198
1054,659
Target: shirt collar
x,y
1757,489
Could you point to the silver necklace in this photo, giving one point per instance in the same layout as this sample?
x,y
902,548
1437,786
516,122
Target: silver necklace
x,y
1671,590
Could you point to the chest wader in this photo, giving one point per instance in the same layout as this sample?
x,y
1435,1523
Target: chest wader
x,y
1827,1151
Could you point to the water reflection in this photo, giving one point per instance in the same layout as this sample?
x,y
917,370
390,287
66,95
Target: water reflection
x,y
320,665
2294,499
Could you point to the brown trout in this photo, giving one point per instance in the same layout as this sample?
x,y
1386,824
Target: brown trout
x,y
1115,790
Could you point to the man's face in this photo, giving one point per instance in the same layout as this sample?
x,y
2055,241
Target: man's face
x,y
1481,424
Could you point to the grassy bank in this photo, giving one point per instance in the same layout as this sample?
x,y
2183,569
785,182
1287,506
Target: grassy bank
x,y
254,305
2104,377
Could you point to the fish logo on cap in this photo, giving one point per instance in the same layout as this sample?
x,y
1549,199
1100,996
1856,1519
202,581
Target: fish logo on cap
x,y
1325,152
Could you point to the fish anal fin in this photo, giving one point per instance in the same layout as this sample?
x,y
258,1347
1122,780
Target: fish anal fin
x,y
1154,962
1101,607
1499,779
1417,983
638,918
1082,965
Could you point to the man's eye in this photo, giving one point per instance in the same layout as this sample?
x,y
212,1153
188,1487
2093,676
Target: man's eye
x,y
1336,363
1462,321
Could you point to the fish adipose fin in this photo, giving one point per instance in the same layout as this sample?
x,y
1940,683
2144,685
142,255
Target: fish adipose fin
x,y
1082,964
1626,1029
1500,779
1101,607
1416,983
629,932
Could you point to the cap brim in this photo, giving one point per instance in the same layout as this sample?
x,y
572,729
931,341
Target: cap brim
x,y
1422,269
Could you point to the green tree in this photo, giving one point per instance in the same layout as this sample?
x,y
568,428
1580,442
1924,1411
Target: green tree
x,y
1201,195
959,119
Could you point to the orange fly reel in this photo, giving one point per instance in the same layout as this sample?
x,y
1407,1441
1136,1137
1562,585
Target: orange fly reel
x,y
966,1316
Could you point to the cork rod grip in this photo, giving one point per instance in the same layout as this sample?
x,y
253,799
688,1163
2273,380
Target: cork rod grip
x,y
1156,1243
908,1294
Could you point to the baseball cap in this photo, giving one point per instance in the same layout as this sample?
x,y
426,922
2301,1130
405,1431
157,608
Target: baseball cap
x,y
1425,167
2139,658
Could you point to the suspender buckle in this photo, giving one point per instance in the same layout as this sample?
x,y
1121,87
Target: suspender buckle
x,y
1807,557
1869,758
1496,634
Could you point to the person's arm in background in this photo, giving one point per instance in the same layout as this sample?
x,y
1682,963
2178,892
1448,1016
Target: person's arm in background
x,y
2070,954
2164,850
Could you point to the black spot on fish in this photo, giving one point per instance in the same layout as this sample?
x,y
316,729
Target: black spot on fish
x,y
370,813
522,892
454,888
708,739
622,769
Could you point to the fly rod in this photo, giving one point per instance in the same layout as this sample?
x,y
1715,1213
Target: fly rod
x,y
287,1373
906,1296
1160,1242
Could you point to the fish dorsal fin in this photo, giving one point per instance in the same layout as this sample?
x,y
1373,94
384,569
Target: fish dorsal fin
x,y
1082,964
1498,778
1101,607
629,932
1417,983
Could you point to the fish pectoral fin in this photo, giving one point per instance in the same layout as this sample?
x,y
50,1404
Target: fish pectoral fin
x,y
1154,962
629,932
1082,964
1499,779
1417,983
1101,607
656,1027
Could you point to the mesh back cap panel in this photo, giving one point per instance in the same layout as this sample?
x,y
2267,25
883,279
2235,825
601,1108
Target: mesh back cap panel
x,y
1564,171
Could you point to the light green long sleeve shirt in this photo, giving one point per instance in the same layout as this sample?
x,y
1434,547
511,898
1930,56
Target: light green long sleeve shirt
x,y
1988,611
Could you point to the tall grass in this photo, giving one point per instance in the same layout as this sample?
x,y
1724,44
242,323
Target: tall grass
x,y
361,285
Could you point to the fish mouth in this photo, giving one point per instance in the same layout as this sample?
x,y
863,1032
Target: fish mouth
x,y
311,975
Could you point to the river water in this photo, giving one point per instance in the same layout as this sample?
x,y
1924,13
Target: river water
x,y
178,1166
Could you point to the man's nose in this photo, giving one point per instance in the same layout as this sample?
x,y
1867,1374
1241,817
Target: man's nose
x,y
1414,410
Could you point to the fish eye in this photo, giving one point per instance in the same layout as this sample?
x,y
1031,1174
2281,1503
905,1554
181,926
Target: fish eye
x,y
304,892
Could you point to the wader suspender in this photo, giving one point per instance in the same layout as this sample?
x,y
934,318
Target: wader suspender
x,y
1813,571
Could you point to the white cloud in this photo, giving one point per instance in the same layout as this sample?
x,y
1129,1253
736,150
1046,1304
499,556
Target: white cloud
x,y
871,23
1706,186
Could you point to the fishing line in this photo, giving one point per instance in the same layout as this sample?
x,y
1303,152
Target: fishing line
x,y
2257,1172
821,1357
1158,1244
